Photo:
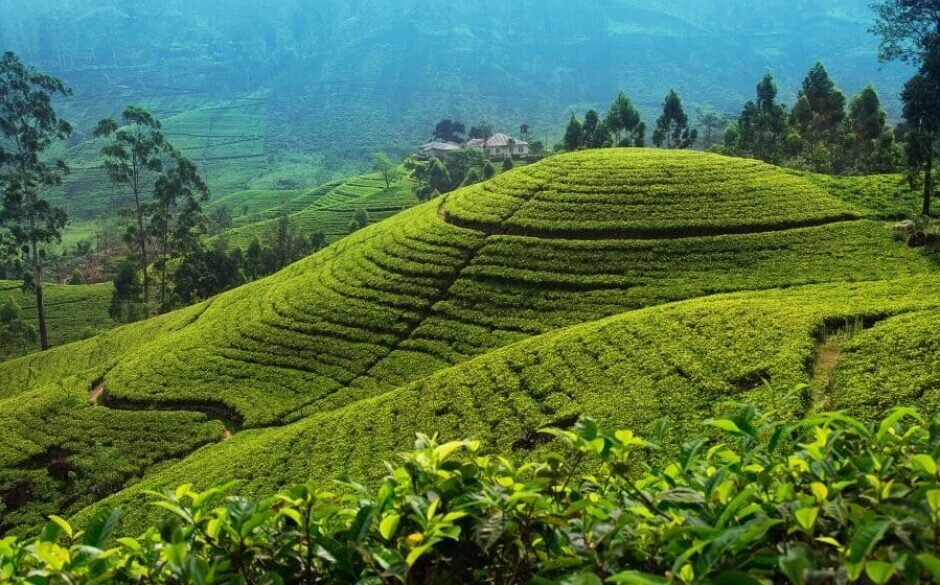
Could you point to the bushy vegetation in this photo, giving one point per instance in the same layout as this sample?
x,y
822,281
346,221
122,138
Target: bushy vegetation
x,y
762,500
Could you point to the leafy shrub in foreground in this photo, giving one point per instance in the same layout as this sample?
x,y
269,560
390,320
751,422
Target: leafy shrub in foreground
x,y
822,500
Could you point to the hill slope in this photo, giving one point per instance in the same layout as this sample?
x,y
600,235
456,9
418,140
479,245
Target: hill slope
x,y
355,330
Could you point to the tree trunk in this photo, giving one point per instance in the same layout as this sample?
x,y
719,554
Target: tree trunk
x,y
143,253
928,181
40,304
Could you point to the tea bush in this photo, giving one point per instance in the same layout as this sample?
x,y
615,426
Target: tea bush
x,y
639,193
827,499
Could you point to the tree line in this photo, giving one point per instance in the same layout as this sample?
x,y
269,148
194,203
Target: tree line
x,y
167,262
822,131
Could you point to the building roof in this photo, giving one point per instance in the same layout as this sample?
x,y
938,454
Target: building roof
x,y
444,146
496,140
502,140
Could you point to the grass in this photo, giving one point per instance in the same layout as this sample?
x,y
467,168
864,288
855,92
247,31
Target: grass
x,y
483,316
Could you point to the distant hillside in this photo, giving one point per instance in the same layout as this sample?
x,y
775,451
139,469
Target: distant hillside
x,y
252,88
630,285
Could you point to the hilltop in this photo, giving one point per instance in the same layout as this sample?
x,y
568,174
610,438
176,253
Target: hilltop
x,y
630,285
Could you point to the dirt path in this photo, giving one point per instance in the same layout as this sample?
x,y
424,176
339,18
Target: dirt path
x,y
224,414
96,393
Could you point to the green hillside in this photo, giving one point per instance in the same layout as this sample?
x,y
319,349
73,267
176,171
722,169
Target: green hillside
x,y
327,209
75,311
570,286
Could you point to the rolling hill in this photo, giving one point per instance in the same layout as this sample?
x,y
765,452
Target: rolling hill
x,y
630,285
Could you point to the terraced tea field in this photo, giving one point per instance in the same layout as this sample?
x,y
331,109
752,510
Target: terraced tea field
x,y
630,285
327,209
77,311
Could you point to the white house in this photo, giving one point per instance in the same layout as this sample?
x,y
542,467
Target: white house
x,y
438,149
500,146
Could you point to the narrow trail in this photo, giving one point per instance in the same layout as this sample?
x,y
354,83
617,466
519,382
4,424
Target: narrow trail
x,y
212,410
831,338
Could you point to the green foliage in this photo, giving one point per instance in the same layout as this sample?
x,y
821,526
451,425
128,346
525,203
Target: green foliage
x,y
71,308
29,126
672,127
574,134
762,125
384,166
133,160
766,500
126,301
16,334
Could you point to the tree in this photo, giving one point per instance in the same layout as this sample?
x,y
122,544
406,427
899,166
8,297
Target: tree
x,y
133,159
29,125
473,177
817,118
177,219
205,273
672,127
909,29
639,135
594,132
573,134
762,126
125,298
489,171
872,142
482,131
14,329
622,120
439,178
460,163
220,219
508,165
910,32
317,241
920,97
449,131
524,132
712,124
384,166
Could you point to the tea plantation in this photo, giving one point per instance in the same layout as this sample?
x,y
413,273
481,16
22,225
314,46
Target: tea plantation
x,y
78,311
627,285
